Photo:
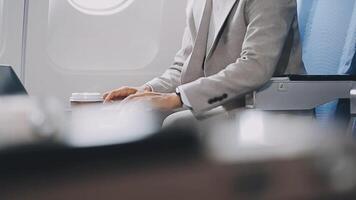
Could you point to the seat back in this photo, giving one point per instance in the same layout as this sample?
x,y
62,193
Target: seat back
x,y
328,32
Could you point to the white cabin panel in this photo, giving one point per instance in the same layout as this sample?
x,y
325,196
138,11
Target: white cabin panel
x,y
2,30
11,31
127,39
94,46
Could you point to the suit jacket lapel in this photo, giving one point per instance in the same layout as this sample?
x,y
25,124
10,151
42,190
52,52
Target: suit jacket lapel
x,y
226,8
198,9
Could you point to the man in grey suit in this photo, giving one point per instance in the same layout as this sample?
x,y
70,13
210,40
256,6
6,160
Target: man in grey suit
x,y
229,48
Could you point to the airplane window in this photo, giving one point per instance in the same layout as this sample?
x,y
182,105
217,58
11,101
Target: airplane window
x,y
100,7
80,44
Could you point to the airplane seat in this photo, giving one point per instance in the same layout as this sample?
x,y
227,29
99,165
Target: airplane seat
x,y
328,34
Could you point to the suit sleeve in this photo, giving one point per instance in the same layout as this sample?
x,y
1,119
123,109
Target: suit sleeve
x,y
268,25
171,78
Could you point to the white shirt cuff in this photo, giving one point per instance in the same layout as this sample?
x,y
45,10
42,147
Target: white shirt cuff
x,y
184,98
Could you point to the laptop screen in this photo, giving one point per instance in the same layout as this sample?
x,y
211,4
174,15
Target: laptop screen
x,y
10,84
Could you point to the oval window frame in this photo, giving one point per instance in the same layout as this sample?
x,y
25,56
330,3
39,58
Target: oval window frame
x,y
116,8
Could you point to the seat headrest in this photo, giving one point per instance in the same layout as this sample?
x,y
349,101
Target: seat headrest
x,y
328,32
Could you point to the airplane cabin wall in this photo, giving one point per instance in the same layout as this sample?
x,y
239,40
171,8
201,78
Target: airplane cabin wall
x,y
90,45
11,31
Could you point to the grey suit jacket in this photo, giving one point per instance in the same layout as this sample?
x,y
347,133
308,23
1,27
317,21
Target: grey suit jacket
x,y
254,40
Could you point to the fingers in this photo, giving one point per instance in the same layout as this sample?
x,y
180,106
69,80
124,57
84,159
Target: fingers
x,y
118,94
105,95
127,93
139,97
134,97
108,97
115,95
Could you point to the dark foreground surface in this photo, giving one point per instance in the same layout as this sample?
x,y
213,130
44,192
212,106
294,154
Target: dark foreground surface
x,y
170,165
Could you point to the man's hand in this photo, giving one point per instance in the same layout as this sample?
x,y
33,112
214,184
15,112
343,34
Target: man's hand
x,y
123,92
161,101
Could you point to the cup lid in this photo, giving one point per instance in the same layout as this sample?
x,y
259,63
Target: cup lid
x,y
86,97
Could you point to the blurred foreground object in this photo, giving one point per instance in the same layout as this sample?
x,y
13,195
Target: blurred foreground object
x,y
244,160
279,155
112,124
31,121
25,120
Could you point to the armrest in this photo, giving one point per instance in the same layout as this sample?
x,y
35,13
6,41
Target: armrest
x,y
294,77
301,92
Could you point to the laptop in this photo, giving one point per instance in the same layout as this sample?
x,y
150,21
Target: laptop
x,y
10,83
